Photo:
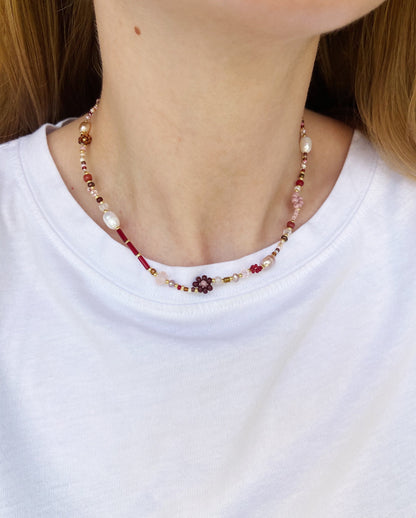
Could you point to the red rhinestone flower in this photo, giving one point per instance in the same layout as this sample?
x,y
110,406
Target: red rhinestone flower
x,y
203,284
255,268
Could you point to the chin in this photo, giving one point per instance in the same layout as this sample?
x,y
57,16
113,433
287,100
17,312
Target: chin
x,y
294,18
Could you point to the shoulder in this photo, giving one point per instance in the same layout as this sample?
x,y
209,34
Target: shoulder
x,y
335,143
22,162
8,157
10,172
11,152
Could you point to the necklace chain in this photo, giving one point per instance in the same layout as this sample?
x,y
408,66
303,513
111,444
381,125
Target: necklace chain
x,y
202,283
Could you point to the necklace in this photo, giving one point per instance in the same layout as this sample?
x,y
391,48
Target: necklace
x,y
203,283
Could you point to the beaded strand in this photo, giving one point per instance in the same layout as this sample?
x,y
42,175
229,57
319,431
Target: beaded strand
x,y
203,283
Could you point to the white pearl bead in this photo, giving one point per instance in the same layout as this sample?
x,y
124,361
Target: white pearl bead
x,y
245,273
305,144
172,284
287,231
236,277
111,220
218,280
268,261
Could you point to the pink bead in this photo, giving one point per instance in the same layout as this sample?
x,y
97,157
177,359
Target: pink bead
x,y
161,278
295,214
297,201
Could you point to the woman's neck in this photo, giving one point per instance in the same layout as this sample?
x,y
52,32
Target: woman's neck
x,y
195,143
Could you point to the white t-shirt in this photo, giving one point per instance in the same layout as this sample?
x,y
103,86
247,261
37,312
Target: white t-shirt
x,y
291,394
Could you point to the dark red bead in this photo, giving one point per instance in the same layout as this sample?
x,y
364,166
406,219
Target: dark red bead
x,y
290,224
122,235
87,177
255,268
300,182
91,184
179,286
284,237
132,248
99,199
143,261
202,284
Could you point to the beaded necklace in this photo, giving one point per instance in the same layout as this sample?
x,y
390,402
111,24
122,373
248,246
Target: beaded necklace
x,y
202,283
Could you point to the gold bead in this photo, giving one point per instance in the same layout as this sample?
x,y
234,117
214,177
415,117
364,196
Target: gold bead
x,y
226,279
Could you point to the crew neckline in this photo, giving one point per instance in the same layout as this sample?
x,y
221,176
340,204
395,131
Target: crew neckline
x,y
111,260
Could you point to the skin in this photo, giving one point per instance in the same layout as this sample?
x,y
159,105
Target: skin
x,y
200,113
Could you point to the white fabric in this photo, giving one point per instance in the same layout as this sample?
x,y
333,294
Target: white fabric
x,y
291,394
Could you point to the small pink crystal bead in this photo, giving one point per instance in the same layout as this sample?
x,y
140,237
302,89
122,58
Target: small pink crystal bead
x,y
161,278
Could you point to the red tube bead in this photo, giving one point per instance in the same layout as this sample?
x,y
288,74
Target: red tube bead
x,y
132,248
122,235
143,261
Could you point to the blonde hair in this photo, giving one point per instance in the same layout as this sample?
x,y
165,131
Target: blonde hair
x,y
49,63
364,75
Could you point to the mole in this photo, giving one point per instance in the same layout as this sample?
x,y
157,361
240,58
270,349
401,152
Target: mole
x,y
137,30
